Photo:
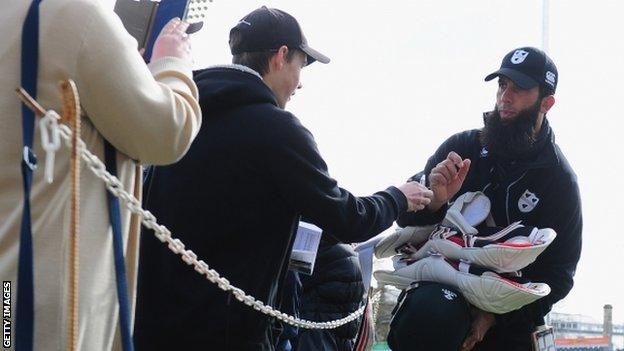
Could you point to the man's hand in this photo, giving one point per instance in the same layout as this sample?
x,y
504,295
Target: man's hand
x,y
481,322
173,41
418,196
446,178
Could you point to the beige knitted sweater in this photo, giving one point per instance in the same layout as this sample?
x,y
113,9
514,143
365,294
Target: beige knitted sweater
x,y
149,114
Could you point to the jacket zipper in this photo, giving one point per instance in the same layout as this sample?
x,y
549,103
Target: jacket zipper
x,y
485,187
507,197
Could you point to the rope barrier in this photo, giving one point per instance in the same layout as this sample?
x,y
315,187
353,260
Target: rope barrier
x,y
71,114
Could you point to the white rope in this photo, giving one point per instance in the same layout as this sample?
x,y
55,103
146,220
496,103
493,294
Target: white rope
x,y
189,257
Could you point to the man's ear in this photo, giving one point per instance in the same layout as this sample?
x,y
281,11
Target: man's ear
x,y
547,103
278,60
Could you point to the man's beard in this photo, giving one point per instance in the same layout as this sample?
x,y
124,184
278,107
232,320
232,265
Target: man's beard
x,y
511,139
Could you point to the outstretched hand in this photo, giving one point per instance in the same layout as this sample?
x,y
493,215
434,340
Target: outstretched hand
x,y
446,178
418,196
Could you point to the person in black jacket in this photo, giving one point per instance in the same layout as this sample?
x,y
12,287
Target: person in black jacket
x,y
333,291
236,197
514,160
286,334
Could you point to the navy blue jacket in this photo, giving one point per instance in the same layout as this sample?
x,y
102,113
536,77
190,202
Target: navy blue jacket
x,y
540,190
235,199
334,291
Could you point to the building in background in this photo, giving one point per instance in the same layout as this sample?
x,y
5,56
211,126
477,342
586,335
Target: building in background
x,y
581,333
584,344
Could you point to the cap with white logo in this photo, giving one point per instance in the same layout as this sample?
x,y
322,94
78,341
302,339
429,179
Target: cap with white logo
x,y
528,67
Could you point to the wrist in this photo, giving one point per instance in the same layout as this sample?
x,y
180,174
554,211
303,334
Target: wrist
x,y
434,205
490,319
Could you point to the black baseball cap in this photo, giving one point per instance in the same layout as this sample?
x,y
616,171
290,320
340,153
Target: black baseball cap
x,y
267,29
528,67
430,316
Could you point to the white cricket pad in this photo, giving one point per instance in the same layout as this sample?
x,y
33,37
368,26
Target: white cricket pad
x,y
510,255
489,291
389,244
469,210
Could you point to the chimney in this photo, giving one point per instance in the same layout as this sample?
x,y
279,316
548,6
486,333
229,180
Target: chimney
x,y
607,324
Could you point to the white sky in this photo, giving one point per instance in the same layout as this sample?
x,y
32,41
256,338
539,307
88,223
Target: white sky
x,y
405,75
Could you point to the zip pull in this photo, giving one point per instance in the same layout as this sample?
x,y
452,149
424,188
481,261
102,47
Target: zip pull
x,y
50,141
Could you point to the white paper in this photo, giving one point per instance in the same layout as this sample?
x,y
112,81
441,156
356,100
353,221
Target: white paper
x,y
305,248
365,251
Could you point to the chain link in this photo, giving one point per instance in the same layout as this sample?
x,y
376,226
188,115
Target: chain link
x,y
189,257
376,302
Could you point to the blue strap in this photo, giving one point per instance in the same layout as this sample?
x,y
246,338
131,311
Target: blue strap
x,y
25,292
120,267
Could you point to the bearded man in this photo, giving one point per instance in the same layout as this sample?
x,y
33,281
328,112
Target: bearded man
x,y
514,160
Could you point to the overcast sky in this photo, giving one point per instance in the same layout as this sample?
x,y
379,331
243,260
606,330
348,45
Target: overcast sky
x,y
405,75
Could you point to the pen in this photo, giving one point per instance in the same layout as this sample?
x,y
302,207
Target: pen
x,y
423,180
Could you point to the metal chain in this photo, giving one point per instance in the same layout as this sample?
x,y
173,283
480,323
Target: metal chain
x,y
376,302
114,185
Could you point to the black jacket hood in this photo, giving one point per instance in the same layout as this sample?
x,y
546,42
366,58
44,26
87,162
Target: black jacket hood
x,y
226,87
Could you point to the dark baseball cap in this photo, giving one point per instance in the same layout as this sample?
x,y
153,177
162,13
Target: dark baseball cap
x,y
528,67
429,316
268,29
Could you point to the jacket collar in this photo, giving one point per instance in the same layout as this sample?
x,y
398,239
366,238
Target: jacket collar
x,y
544,153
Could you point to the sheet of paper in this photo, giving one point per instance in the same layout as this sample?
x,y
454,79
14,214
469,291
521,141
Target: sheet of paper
x,y
366,265
305,248
365,251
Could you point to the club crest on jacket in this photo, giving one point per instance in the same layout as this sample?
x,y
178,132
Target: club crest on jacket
x,y
527,201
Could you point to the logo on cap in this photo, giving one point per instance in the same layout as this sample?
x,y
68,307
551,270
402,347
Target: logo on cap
x,y
449,295
519,56
550,78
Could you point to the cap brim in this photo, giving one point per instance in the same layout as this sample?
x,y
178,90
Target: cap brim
x,y
194,27
314,55
521,79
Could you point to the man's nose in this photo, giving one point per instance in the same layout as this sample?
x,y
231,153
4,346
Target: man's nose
x,y
299,86
506,95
